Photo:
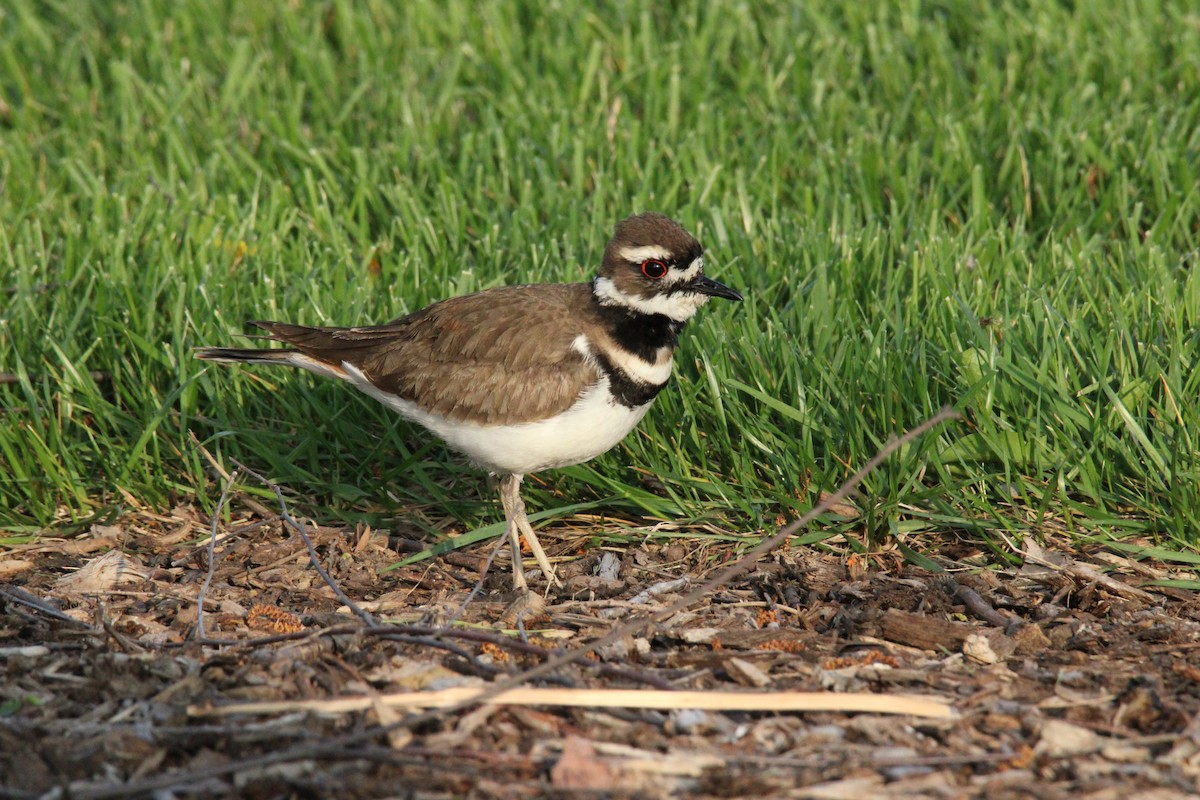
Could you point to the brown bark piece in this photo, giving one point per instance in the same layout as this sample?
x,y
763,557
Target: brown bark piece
x,y
927,633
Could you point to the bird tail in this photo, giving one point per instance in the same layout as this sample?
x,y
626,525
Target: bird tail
x,y
250,355
288,357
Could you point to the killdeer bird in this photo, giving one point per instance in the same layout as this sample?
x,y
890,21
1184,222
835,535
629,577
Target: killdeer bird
x,y
523,378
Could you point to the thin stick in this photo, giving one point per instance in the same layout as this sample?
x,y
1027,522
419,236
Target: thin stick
x,y
250,502
426,635
867,702
212,551
435,642
478,587
979,606
16,594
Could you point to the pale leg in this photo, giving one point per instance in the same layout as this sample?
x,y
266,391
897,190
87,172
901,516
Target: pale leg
x,y
511,530
516,524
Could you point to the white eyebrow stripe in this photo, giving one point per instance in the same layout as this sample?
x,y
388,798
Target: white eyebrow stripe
x,y
636,255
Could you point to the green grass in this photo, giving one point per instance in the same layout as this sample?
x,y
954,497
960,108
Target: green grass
x,y
993,206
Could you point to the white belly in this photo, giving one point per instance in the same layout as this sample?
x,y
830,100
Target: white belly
x,y
595,423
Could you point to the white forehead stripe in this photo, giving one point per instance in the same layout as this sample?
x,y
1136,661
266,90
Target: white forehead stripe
x,y
636,255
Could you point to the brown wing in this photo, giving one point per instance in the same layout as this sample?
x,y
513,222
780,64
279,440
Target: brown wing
x,y
502,356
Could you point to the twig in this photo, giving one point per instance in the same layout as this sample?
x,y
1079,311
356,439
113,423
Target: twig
x,y
126,644
313,558
1086,574
421,634
237,530
22,597
978,605
478,587
212,553
251,503
262,641
1080,572
481,669
866,702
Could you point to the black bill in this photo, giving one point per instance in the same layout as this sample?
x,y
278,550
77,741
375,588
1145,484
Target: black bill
x,y
706,285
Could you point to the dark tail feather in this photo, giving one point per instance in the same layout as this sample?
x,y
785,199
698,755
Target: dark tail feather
x,y
319,350
250,355
328,345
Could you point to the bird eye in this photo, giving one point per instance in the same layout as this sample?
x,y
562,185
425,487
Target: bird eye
x,y
654,269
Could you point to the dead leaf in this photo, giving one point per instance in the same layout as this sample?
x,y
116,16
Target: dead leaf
x,y
104,573
843,508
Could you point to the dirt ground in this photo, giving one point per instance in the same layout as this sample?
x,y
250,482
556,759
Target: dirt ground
x,y
1069,676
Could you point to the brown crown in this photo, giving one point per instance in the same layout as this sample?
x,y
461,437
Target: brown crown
x,y
650,228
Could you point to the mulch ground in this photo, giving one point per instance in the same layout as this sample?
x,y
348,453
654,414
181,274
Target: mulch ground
x,y
1071,676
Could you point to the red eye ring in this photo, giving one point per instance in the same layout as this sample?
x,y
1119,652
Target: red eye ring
x,y
654,269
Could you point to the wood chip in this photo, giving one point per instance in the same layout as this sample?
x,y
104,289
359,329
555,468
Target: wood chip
x,y
698,635
746,674
923,631
1063,740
